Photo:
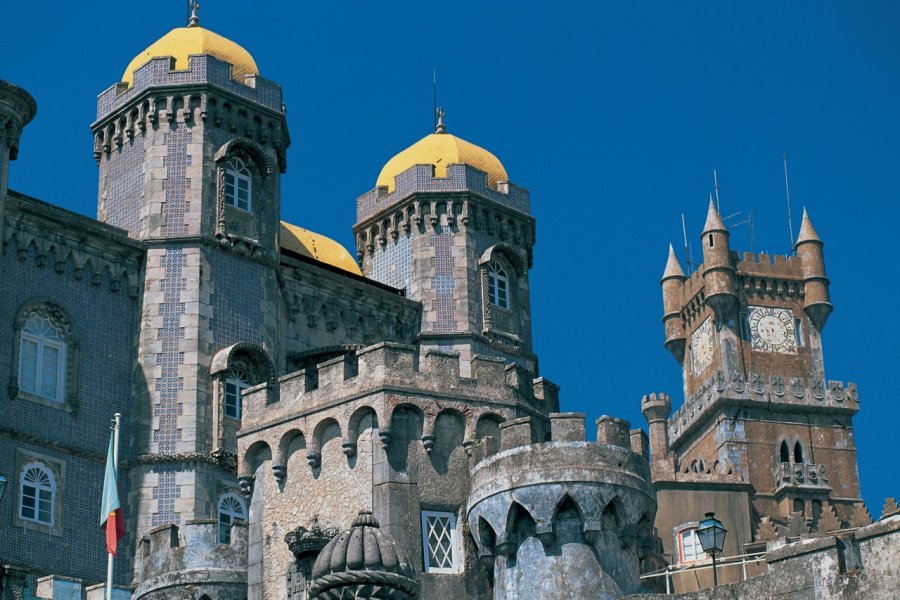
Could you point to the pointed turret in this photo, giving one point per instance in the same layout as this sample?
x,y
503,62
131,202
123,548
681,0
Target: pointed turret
x,y
672,286
816,298
17,108
718,271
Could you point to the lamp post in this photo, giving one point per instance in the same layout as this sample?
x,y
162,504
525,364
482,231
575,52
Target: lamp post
x,y
712,539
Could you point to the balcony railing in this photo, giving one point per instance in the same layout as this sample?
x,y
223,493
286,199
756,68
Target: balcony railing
x,y
791,474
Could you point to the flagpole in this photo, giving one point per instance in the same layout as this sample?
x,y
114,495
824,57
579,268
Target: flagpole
x,y
110,557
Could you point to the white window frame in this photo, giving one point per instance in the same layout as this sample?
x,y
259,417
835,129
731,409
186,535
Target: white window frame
x,y
696,553
227,502
239,384
455,553
50,489
498,281
237,173
42,343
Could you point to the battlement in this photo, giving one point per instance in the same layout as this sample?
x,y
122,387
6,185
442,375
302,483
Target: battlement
x,y
528,486
399,367
204,69
191,557
774,393
762,264
460,178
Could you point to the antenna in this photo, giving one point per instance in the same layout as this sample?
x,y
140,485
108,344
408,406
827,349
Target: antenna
x,y
688,255
716,183
748,222
434,93
787,191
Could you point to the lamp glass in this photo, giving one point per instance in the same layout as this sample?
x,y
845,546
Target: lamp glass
x,y
711,534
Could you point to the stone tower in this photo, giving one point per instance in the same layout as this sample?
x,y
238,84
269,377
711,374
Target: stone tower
x,y
17,108
761,428
190,145
445,224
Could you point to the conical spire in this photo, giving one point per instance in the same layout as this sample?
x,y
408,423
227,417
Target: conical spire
x,y
673,267
807,233
713,220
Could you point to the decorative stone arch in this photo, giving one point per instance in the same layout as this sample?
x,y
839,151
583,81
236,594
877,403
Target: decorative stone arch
x,y
449,433
406,424
258,452
508,254
243,147
352,436
65,325
520,524
237,229
254,366
283,452
498,320
314,445
488,424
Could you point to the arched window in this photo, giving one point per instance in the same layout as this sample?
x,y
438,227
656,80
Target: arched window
x,y
231,508
798,453
234,384
784,454
42,359
498,285
37,491
238,184
689,548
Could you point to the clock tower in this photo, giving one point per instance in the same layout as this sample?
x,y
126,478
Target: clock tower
x,y
762,438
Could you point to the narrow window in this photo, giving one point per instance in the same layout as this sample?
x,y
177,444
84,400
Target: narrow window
x,y
710,240
784,454
234,384
498,286
798,330
798,453
745,326
439,542
231,509
42,359
238,184
799,506
37,491
689,548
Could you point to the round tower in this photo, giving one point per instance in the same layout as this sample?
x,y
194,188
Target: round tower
x,y
672,283
816,298
17,108
566,518
656,409
718,270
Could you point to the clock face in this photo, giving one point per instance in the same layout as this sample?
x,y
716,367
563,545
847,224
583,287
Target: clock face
x,y
772,329
702,345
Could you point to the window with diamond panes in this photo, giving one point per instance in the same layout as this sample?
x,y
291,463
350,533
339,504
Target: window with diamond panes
x,y
231,509
439,542
238,184
42,359
498,286
37,490
234,384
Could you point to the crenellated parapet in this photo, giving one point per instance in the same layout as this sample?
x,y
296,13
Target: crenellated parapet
x,y
771,392
97,252
189,561
372,385
563,517
204,93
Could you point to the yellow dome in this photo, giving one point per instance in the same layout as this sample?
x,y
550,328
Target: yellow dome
x,y
318,247
184,41
440,150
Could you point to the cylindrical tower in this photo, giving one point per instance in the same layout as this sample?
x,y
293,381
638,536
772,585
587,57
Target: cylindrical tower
x,y
656,409
718,270
672,287
816,298
564,519
17,108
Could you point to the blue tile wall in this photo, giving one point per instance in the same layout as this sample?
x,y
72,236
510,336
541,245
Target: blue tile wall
x,y
392,264
443,285
125,186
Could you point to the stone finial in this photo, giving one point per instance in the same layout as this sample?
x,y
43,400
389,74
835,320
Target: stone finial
x,y
807,232
440,127
766,531
796,524
828,520
713,220
194,21
890,508
860,516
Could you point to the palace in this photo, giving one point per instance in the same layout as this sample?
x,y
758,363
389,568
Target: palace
x,y
300,421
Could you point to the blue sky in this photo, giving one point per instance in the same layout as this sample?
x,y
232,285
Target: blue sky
x,y
612,114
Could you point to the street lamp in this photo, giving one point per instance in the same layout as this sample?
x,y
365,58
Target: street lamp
x,y
712,539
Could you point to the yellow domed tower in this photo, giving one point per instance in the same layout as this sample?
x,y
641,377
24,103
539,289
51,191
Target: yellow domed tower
x,y
191,145
445,224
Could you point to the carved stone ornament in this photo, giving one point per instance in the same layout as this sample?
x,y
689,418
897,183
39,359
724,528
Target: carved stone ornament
x,y
860,516
796,524
778,385
797,387
818,390
828,521
304,542
890,508
737,383
766,531
756,383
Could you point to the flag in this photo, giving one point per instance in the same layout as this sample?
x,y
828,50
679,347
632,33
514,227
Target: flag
x,y
111,518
